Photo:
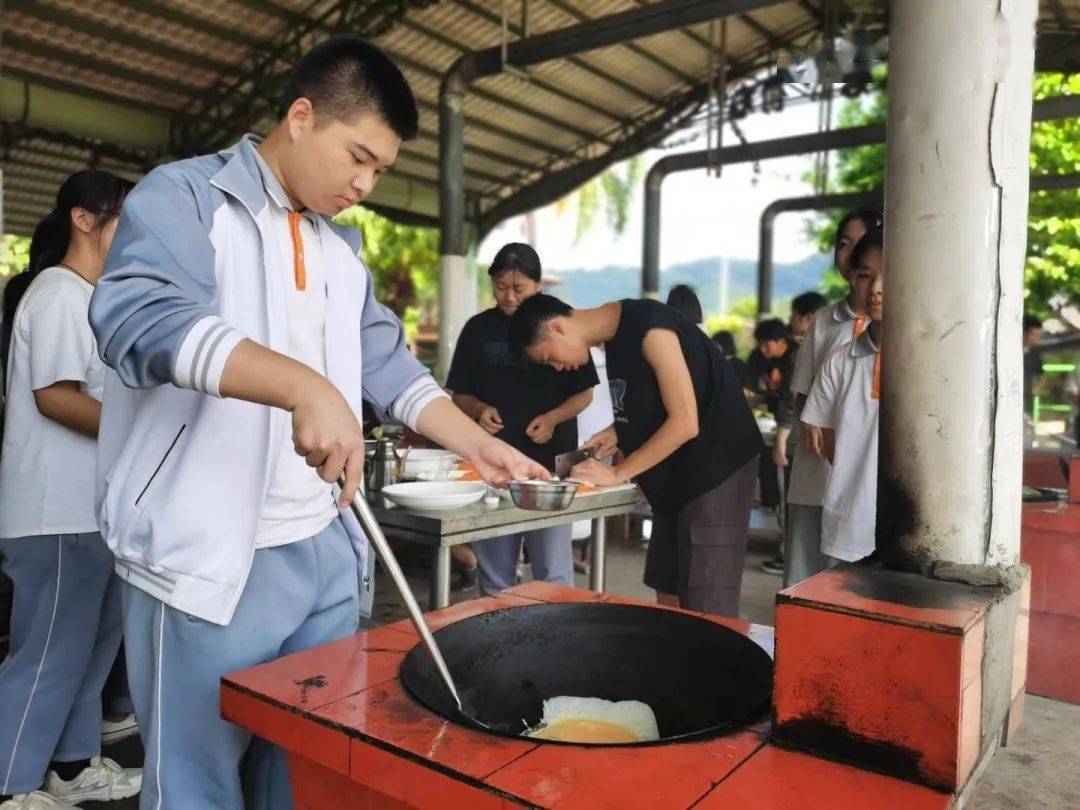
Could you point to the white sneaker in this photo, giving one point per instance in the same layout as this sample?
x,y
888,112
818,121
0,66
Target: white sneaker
x,y
113,731
102,781
38,800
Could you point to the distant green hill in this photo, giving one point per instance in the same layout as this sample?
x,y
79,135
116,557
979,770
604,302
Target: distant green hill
x,y
588,288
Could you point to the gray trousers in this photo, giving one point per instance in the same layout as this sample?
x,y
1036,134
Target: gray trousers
x,y
698,552
802,544
65,631
550,557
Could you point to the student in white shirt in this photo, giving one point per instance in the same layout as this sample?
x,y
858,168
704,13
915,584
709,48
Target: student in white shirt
x,y
832,327
66,624
844,404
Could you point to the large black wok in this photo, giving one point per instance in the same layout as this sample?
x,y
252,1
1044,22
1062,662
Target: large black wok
x,y
699,677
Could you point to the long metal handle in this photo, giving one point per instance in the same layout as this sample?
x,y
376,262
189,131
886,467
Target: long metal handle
x,y
374,532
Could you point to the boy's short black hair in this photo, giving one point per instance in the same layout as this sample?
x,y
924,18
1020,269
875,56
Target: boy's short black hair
x,y
807,304
530,317
683,298
726,341
516,256
344,76
1032,322
871,240
771,329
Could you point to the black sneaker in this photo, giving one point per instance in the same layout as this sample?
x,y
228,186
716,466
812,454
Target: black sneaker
x,y
774,566
464,578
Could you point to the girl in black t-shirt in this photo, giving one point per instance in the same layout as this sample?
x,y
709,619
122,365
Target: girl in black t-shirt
x,y
684,429
531,407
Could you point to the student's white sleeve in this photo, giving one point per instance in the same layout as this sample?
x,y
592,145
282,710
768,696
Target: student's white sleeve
x,y
820,408
803,375
59,337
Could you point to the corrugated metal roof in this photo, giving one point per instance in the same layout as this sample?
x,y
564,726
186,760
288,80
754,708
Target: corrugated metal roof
x,y
192,60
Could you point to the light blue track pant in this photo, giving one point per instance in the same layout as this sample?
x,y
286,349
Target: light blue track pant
x,y
549,553
297,596
65,631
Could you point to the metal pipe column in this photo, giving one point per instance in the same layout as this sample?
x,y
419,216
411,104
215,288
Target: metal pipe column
x,y
956,192
457,298
1047,109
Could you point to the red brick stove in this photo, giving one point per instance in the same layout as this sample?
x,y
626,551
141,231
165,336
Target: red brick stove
x,y
1050,544
357,740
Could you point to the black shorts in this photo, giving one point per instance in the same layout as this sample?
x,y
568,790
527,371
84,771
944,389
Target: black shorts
x,y
697,553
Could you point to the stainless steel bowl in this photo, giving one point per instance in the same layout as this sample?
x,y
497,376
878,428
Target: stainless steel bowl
x,y
543,496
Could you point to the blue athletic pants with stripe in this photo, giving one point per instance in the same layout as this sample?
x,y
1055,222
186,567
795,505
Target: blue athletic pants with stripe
x,y
297,596
65,631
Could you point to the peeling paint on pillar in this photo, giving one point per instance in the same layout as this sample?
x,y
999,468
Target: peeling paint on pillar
x,y
956,215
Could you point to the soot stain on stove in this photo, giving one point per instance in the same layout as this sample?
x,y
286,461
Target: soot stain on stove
x,y
314,682
824,737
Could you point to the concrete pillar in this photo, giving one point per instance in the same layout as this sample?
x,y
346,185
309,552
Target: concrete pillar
x,y
956,192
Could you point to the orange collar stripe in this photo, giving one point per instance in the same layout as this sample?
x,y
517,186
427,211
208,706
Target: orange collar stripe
x,y
876,392
299,270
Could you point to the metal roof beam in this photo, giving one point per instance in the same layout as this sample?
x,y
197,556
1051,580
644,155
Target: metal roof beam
x,y
656,18
776,42
516,30
460,47
634,48
509,104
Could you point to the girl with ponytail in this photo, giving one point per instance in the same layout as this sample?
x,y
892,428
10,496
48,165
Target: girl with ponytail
x,y
66,621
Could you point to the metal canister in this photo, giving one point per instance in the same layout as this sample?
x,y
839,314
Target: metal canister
x,y
382,466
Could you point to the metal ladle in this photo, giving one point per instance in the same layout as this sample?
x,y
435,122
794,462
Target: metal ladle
x,y
375,534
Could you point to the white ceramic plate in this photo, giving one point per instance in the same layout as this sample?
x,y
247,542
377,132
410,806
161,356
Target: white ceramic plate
x,y
425,460
434,494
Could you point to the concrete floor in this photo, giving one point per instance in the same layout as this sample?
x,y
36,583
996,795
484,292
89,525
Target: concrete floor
x,y
1038,771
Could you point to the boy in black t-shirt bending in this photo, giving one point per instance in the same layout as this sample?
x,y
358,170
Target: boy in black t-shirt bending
x,y
684,429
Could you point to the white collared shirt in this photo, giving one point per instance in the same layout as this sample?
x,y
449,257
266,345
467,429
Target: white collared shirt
x,y
831,328
844,399
299,504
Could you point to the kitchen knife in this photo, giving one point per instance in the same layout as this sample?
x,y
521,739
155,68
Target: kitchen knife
x,y
565,462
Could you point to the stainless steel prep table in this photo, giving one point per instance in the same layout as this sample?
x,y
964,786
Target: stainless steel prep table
x,y
443,529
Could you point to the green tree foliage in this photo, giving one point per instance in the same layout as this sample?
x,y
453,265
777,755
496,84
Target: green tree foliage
x,y
1053,244
404,261
14,255
610,193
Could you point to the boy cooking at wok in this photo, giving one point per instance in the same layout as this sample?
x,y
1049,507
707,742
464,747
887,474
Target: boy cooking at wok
x,y
533,408
685,430
244,329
